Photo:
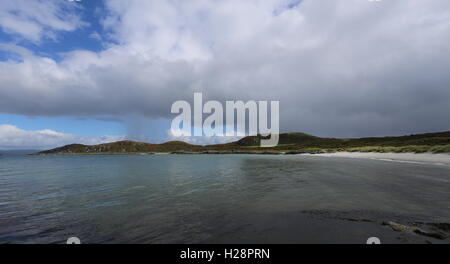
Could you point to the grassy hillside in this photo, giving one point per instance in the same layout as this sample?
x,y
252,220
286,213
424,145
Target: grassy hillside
x,y
126,146
289,142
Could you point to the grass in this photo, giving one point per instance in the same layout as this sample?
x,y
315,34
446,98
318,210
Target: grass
x,y
402,149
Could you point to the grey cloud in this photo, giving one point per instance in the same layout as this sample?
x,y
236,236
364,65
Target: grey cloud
x,y
339,68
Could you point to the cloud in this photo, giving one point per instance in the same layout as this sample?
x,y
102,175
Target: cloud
x,y
12,137
35,20
218,138
95,35
338,68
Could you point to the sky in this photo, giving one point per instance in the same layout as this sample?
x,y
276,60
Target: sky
x,y
95,71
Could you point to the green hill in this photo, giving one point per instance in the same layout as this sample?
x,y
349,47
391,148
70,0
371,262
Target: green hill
x,y
288,142
126,146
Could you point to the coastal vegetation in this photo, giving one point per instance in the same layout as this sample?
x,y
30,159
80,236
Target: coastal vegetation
x,y
289,143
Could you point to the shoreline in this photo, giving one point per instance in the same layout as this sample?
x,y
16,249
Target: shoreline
x,y
408,157
421,158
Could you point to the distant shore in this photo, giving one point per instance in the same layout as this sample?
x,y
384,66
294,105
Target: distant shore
x,y
442,159
289,143
410,157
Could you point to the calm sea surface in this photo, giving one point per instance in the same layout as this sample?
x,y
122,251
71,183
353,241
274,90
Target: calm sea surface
x,y
216,199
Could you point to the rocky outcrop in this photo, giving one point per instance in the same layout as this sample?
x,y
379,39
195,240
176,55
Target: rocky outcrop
x,y
438,234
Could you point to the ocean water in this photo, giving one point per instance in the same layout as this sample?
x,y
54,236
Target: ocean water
x,y
216,199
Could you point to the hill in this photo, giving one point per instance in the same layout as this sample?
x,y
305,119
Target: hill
x,y
288,143
126,146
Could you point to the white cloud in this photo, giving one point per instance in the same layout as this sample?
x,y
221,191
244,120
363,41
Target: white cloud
x,y
95,35
12,137
338,68
37,19
204,140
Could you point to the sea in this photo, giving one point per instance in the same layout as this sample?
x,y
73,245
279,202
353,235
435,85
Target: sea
x,y
230,198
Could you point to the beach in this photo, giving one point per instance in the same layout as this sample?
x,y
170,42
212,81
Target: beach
x,y
437,159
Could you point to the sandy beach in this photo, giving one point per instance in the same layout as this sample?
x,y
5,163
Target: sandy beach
x,y
439,159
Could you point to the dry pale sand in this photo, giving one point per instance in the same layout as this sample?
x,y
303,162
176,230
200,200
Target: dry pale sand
x,y
440,159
